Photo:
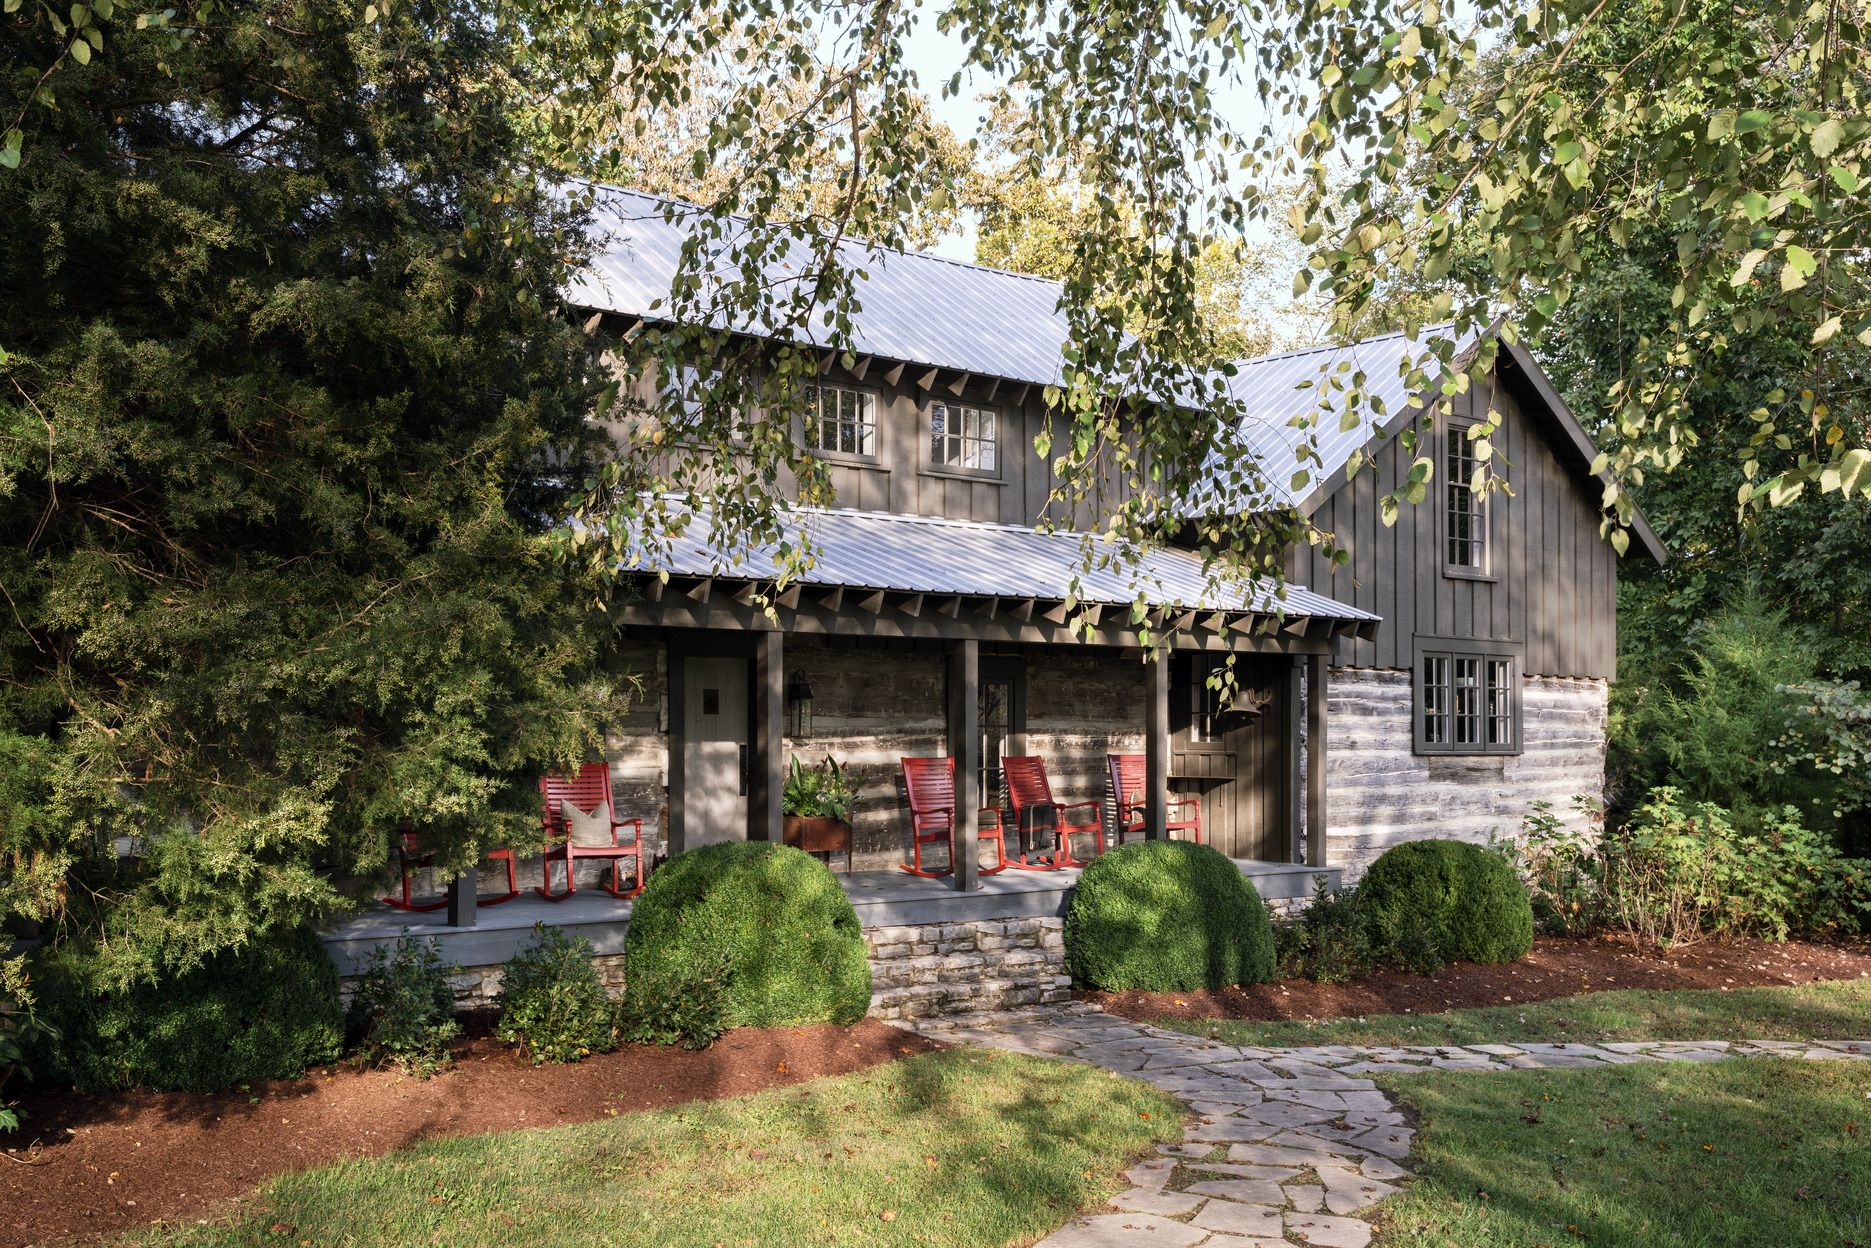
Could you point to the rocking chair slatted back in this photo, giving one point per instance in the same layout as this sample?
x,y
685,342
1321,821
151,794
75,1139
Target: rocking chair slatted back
x,y
1027,788
587,789
930,783
1128,781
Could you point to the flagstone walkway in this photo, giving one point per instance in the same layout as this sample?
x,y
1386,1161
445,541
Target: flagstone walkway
x,y
1291,1146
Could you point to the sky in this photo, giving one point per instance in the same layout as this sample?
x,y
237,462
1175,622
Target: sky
x,y
934,56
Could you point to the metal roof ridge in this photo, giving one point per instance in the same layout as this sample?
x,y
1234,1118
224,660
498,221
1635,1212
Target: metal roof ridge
x,y
854,242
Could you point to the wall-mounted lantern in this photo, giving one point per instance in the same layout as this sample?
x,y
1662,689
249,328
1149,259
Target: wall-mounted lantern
x,y
799,704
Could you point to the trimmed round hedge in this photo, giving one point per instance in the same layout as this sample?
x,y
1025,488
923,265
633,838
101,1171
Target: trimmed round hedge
x,y
1427,903
1165,916
266,1010
770,918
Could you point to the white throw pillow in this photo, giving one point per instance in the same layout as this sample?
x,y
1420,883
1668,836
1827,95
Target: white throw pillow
x,y
592,831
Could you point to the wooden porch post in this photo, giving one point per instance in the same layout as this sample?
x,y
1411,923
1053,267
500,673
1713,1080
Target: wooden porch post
x,y
964,746
461,898
1315,760
1156,750
767,781
1295,845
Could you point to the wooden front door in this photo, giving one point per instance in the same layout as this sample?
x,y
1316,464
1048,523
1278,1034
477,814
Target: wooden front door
x,y
1234,758
714,752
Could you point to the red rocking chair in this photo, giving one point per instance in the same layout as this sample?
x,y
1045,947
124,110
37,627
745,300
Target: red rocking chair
x,y
1129,776
1029,793
930,783
589,791
414,859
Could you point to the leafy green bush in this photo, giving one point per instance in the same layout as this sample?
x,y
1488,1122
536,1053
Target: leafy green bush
x,y
1679,872
771,919
685,1005
1329,943
1163,916
403,1009
265,1010
1563,868
1427,903
552,1001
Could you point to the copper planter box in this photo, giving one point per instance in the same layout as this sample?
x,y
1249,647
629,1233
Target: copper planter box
x,y
820,834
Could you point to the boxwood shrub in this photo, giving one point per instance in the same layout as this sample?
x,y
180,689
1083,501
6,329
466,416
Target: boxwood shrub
x,y
552,1001
1427,903
769,926
266,1010
1165,916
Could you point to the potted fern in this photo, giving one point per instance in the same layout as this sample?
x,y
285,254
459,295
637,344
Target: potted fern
x,y
817,805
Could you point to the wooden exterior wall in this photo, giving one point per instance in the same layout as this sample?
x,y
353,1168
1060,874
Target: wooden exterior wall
x,y
901,479
1552,591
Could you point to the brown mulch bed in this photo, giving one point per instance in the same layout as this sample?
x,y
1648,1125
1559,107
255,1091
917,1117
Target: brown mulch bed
x,y
1557,967
109,1162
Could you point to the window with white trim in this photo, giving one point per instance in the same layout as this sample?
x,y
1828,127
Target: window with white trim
x,y
842,420
1467,699
964,436
1465,520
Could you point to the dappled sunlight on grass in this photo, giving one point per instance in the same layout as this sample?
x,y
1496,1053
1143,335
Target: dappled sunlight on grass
x,y
961,1147
1735,1154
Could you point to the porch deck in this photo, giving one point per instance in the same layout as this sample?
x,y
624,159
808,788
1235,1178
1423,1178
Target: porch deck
x,y
881,898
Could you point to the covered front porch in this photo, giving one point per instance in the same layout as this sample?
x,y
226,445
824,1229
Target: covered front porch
x,y
882,899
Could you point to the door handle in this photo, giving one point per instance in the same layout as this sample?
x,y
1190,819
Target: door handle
x,y
743,769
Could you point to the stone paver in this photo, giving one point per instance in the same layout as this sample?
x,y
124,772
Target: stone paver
x,y
1290,1146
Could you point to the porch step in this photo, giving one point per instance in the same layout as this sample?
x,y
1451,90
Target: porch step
x,y
931,1000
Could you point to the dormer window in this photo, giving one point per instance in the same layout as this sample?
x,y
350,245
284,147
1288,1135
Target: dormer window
x,y
842,421
964,436
1465,518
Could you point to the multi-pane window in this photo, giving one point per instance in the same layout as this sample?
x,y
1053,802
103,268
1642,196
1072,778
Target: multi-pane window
x,y
843,420
1466,525
964,436
1467,701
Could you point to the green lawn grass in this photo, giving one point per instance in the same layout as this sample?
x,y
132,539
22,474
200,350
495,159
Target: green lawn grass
x,y
1745,1153
1827,1011
961,1147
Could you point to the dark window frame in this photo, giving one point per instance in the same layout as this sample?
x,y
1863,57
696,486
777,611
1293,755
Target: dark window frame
x,y
939,467
814,419
1467,697
1474,510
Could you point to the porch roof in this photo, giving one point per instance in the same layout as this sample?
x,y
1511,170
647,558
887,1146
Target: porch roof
x,y
884,551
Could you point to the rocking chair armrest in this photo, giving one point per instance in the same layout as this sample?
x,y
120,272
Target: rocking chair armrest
x,y
1062,807
1183,803
920,819
635,821
988,817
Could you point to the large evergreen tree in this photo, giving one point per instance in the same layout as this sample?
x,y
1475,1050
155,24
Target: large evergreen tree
x,y
287,406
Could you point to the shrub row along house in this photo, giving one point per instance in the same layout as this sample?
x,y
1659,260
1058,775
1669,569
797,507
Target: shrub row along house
x,y
1452,672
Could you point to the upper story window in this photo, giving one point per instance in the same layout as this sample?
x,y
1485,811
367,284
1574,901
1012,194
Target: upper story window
x,y
1467,699
1465,520
964,436
843,421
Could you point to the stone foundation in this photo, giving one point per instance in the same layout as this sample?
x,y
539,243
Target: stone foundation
x,y
1381,792
960,968
916,971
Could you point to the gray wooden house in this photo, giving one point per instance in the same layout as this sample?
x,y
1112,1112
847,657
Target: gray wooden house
x,y
1453,672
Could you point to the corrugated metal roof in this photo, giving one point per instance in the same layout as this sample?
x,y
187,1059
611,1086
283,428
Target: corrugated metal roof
x,y
1297,403
869,550
919,308
930,310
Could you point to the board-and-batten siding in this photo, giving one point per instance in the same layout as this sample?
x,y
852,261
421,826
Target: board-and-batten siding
x,y
902,481
1553,585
